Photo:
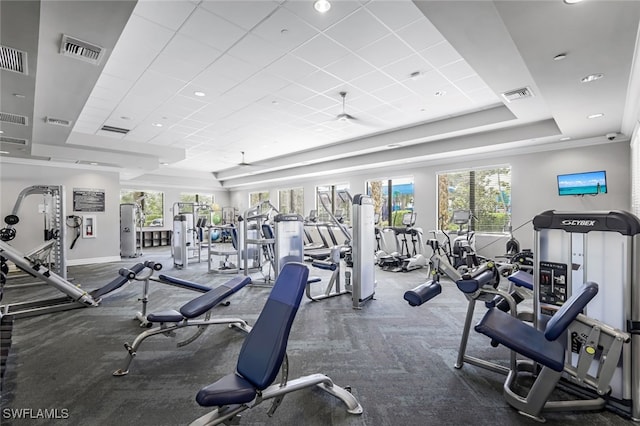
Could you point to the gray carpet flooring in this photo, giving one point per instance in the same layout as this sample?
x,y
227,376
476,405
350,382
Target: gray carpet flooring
x,y
398,360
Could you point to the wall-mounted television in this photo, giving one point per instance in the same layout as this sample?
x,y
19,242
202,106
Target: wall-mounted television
x,y
587,183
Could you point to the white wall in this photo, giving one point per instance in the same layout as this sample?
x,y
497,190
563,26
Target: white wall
x,y
106,246
533,180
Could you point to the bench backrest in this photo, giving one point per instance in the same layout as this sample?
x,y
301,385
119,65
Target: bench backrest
x,y
264,348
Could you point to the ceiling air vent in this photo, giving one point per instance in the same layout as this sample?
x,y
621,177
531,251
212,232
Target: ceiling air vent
x,y
16,141
81,50
7,117
115,129
58,121
514,95
13,60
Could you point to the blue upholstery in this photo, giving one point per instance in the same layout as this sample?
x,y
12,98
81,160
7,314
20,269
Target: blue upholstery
x,y
423,293
116,283
522,279
264,348
544,348
184,283
522,338
470,285
170,315
322,264
201,304
570,310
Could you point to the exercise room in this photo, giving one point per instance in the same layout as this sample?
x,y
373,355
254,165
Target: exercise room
x,y
319,212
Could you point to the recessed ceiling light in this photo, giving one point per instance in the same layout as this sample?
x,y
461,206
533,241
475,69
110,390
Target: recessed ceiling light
x,y
19,95
93,163
440,93
414,75
156,124
164,164
592,77
322,6
565,138
201,94
598,115
560,56
572,1
394,145
284,31
124,117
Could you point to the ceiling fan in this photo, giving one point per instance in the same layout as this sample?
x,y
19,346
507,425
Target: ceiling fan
x,y
243,163
344,116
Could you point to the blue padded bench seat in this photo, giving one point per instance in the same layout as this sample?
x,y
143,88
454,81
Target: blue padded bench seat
x,y
522,338
522,279
201,304
183,283
229,390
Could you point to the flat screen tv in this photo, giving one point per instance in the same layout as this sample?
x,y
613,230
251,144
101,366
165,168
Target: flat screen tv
x,y
587,183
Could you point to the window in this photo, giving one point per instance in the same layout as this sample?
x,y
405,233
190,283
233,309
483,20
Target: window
x,y
484,192
291,201
151,203
206,207
338,202
400,202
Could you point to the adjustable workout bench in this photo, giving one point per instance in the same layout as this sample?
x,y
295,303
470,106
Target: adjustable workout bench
x,y
592,340
185,317
263,353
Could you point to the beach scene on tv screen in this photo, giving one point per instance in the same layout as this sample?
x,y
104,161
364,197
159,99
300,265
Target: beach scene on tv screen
x,y
582,183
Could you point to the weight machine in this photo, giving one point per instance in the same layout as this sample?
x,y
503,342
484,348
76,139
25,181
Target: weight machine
x,y
53,208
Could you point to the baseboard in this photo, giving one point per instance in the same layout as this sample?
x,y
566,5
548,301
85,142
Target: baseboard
x,y
88,261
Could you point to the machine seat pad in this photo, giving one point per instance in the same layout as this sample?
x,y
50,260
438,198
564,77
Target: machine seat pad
x,y
213,297
170,315
522,338
229,390
522,279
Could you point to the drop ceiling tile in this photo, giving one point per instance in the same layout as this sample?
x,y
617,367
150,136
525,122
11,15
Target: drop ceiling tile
x,y
264,82
385,51
154,84
471,83
322,102
402,69
128,63
484,96
290,68
372,81
189,90
392,93
457,70
111,135
319,81
357,30
245,14
295,92
395,14
170,14
441,54
339,9
320,117
104,104
212,30
256,51
145,34
231,67
421,34
320,51
212,83
428,83
285,30
181,70
188,49
349,67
